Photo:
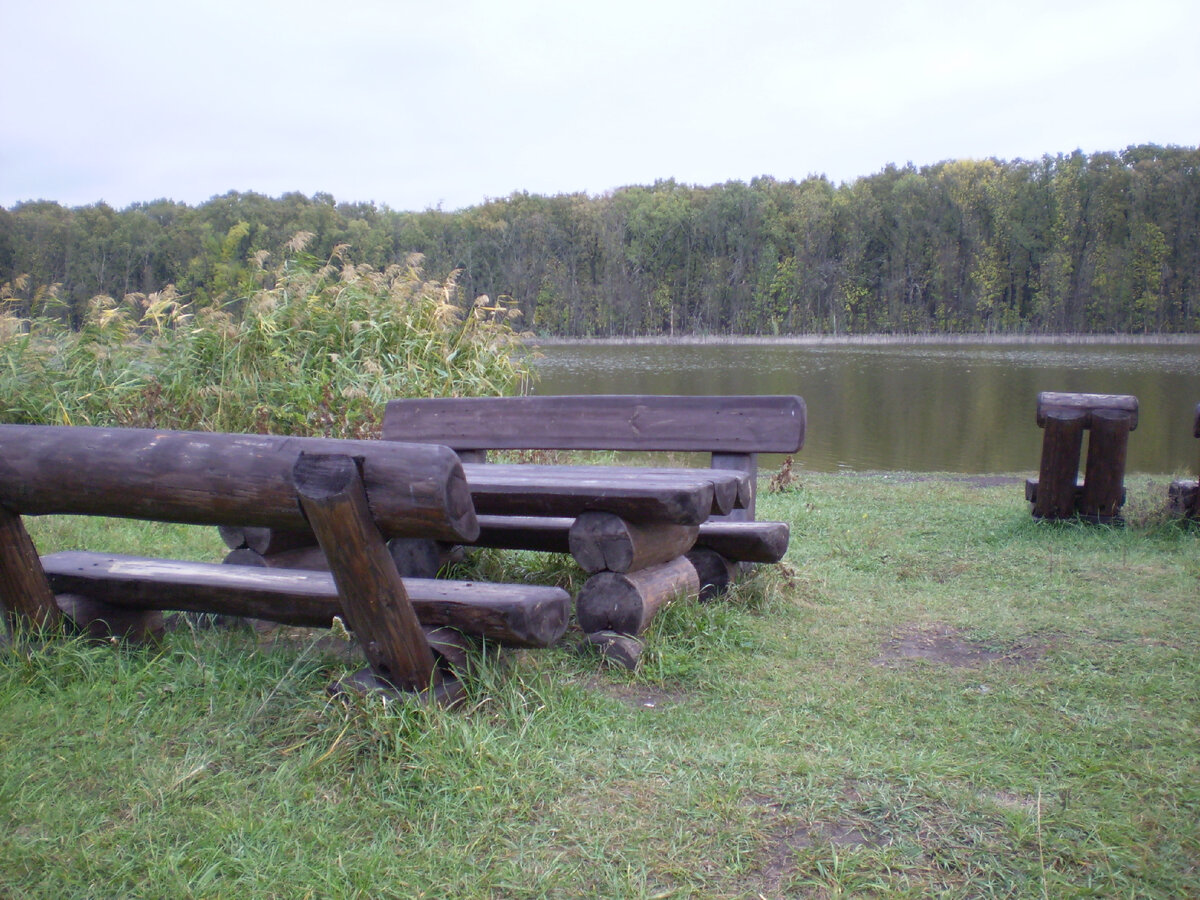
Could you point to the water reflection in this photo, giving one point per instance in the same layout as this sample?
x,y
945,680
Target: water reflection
x,y
924,407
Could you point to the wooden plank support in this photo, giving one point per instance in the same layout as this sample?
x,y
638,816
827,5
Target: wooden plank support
x,y
747,464
199,478
627,602
513,615
24,592
601,541
1104,473
1062,440
373,598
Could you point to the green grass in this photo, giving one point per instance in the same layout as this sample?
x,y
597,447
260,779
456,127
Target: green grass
x,y
934,696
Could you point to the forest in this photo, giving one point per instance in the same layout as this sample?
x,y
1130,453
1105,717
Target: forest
x,y
1101,243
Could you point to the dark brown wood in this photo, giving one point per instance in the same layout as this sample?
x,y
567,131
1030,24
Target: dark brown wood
x,y
739,424
627,602
311,558
715,573
103,621
418,557
761,542
266,541
683,499
730,487
1086,403
548,534
1062,440
619,649
217,479
372,595
601,541
514,615
747,465
1183,498
24,591
1104,474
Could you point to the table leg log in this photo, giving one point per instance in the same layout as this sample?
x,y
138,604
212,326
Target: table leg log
x,y
101,621
24,591
1104,474
715,572
266,541
601,542
372,595
1061,443
627,602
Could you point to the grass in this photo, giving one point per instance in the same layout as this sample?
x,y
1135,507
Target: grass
x,y
934,696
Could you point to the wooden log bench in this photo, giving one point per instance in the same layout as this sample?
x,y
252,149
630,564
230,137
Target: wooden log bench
x,y
1184,496
636,562
1064,417
352,495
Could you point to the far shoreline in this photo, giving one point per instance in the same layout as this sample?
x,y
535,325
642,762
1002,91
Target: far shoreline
x,y
873,339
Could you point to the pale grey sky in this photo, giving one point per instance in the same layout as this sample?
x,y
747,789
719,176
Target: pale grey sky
x,y
416,105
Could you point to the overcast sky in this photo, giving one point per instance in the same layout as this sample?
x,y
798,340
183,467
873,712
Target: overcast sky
x,y
450,102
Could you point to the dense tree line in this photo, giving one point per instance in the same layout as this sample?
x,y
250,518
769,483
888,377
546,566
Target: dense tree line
x,y
1107,242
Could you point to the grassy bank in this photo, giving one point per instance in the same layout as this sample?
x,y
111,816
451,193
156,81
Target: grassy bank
x,y
935,695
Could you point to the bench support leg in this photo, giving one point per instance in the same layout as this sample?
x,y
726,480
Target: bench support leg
x,y
740,462
373,598
24,591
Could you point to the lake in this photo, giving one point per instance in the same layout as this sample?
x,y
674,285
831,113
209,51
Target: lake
x,y
933,406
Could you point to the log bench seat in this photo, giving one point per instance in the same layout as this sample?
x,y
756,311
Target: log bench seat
x,y
636,559
348,496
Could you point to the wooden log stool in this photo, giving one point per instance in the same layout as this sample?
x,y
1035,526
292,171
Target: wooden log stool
x,y
1057,493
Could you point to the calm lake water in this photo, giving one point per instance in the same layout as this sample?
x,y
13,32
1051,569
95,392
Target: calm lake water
x,y
934,407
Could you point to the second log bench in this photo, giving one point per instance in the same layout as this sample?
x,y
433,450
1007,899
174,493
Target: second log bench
x,y
625,557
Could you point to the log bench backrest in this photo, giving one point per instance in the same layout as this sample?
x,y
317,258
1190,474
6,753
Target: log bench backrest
x,y
738,424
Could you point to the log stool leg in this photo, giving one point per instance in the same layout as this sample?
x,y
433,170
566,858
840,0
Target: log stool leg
x,y
24,591
1062,441
372,595
626,602
715,572
601,541
1104,474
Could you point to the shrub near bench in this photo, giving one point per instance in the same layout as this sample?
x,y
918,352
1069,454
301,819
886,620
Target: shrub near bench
x,y
352,494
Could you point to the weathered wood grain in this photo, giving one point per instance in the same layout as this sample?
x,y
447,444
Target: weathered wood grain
x,y
218,479
735,424
515,615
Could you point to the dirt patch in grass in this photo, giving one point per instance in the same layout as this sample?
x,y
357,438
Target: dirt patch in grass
x,y
639,696
948,646
785,840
